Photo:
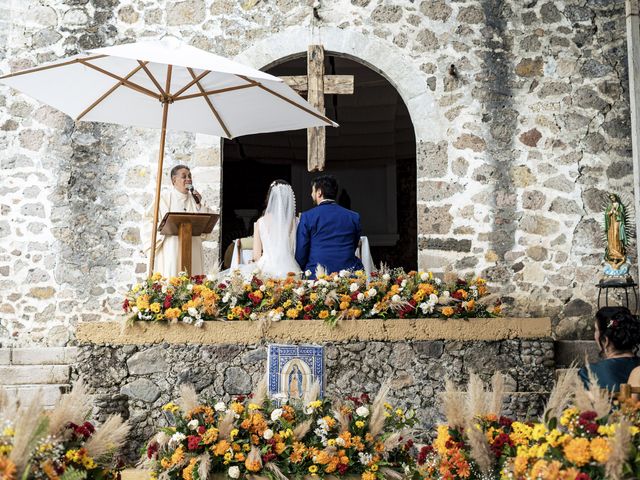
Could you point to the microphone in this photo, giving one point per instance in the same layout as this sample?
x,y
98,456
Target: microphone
x,y
195,197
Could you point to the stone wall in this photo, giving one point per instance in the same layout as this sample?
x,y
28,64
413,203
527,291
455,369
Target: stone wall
x,y
136,380
520,111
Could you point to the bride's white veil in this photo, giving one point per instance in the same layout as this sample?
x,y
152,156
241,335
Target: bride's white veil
x,y
277,231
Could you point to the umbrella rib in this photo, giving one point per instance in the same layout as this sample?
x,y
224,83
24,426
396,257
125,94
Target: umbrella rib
x,y
150,75
47,67
213,92
108,92
282,97
127,83
190,84
208,100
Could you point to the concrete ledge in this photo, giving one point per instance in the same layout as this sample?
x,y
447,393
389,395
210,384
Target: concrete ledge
x,y
292,331
34,374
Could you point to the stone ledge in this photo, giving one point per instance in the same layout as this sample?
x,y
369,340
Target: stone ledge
x,y
291,331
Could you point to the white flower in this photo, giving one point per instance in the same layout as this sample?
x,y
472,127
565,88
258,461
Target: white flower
x,y
345,273
263,288
353,287
164,289
192,311
333,312
372,292
362,411
360,297
176,438
268,434
190,287
220,407
299,291
253,316
374,311
276,414
134,309
199,323
234,472
365,458
426,307
226,297
403,284
424,276
396,298
193,424
433,298
187,319
437,280
307,273
386,276
340,441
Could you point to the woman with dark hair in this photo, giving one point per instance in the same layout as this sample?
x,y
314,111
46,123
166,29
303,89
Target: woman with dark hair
x,y
617,333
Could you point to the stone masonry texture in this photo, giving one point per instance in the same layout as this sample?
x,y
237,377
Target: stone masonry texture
x,y
136,380
522,123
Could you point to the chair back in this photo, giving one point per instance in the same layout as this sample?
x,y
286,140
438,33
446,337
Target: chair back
x,y
626,391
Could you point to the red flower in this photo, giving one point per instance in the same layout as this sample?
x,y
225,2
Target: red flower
x,y
308,308
125,305
588,416
193,441
202,429
306,317
152,449
424,451
222,286
583,476
505,421
167,301
342,468
247,311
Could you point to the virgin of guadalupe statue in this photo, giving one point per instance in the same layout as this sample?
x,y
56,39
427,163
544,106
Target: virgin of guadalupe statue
x,y
294,387
616,229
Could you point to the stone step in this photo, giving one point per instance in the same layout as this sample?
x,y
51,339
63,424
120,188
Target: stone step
x,y
574,351
34,374
38,356
47,394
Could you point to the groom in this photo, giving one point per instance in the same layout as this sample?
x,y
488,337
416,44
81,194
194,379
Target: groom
x,y
328,234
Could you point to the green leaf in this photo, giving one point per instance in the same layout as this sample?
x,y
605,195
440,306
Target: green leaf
x,y
73,474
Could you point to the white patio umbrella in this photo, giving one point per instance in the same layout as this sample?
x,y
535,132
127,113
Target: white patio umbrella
x,y
170,85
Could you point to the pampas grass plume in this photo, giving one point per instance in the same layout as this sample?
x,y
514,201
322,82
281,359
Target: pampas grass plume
x,y
562,393
259,394
619,451
30,426
108,438
302,429
204,466
453,404
73,407
188,398
226,425
497,393
376,422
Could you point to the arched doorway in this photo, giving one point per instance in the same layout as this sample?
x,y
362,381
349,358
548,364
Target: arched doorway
x,y
372,154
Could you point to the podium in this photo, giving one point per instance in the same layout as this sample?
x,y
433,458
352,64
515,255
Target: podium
x,y
187,225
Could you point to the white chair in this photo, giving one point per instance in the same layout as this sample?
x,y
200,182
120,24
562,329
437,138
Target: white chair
x,y
242,252
363,252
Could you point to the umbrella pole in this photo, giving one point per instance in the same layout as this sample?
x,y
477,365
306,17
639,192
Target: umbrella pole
x,y
156,206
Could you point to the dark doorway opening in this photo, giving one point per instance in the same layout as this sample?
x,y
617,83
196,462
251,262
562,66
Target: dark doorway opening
x,y
372,154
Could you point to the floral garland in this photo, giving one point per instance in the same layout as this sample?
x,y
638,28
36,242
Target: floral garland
x,y
392,294
579,445
253,437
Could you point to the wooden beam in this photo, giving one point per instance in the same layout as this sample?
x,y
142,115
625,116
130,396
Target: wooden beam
x,y
316,146
333,84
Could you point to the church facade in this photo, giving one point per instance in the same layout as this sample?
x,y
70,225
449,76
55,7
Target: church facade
x,y
520,114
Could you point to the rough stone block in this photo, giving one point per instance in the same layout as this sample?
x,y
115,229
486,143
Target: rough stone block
x,y
47,394
5,356
44,356
32,374
569,351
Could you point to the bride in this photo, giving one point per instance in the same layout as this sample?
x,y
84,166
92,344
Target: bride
x,y
274,234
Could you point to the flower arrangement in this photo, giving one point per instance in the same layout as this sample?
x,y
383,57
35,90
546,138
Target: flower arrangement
x,y
389,294
581,437
61,444
253,437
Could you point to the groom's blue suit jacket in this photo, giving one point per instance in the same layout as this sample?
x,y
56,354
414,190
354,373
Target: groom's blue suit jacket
x,y
328,235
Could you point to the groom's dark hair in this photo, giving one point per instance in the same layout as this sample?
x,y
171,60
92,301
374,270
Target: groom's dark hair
x,y
327,184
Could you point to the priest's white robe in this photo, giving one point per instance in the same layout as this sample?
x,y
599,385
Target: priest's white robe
x,y
167,247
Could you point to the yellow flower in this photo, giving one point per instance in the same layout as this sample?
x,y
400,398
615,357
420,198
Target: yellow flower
x,y
568,415
8,432
553,436
234,433
441,439
172,312
520,465
359,424
287,304
136,287
520,433
539,431
368,476
171,407
313,297
155,307
142,302
253,406
344,305
156,276
399,412
331,442
313,469
237,408
230,316
88,463
607,430
374,468
228,456
292,313
600,449
577,451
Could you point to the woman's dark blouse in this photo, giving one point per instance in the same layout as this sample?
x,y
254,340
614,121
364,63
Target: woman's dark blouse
x,y
610,372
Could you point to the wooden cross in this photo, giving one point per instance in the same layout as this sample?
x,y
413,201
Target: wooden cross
x,y
317,84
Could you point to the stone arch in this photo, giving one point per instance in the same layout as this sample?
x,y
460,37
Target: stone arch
x,y
389,60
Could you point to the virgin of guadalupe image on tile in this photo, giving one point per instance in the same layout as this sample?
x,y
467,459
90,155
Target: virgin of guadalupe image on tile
x,y
292,369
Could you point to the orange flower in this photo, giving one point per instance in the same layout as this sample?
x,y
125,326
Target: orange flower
x,y
577,451
221,448
7,469
447,311
253,463
323,314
